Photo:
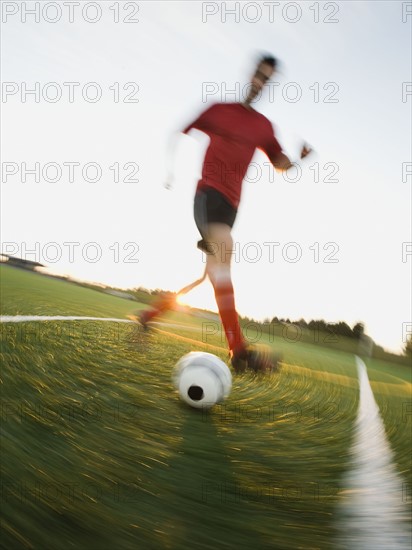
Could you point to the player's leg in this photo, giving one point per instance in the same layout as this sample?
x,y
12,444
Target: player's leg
x,y
218,262
190,287
167,301
214,218
164,302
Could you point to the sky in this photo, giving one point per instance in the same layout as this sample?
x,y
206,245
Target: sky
x,y
329,243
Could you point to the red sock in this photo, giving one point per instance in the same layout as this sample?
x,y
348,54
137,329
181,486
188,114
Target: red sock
x,y
162,304
226,303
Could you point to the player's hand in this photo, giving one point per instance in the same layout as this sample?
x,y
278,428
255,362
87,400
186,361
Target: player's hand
x,y
168,184
306,150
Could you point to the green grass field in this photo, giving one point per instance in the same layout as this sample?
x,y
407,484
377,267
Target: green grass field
x,y
98,452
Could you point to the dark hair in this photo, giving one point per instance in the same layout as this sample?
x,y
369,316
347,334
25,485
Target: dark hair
x,y
269,60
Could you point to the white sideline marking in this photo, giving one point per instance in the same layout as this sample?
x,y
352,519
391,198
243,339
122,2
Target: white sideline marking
x,y
375,515
28,318
23,318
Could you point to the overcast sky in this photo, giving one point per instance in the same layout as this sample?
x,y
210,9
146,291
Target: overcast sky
x,y
329,243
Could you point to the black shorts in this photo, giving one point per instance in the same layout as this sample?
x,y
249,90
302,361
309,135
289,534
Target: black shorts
x,y
210,206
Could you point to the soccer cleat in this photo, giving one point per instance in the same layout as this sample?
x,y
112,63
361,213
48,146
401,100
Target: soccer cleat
x,y
164,302
256,360
261,360
142,318
239,360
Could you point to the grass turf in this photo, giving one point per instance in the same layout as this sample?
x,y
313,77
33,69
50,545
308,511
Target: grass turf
x,y
97,451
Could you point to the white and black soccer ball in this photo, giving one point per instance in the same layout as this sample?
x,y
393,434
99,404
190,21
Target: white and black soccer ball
x,y
202,379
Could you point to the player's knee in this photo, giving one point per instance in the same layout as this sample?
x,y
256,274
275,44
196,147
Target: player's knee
x,y
219,274
225,249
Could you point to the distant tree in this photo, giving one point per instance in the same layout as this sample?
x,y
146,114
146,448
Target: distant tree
x,y
343,329
275,320
287,321
407,350
358,330
157,291
318,324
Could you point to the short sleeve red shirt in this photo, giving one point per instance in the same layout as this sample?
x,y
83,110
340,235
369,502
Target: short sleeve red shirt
x,y
235,132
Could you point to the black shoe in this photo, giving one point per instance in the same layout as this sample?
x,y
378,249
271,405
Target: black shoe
x,y
239,361
256,360
262,360
139,317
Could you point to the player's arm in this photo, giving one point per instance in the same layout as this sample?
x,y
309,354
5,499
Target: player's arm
x,y
204,122
201,123
170,158
273,150
282,162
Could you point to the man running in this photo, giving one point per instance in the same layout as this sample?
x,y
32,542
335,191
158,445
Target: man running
x,y
235,131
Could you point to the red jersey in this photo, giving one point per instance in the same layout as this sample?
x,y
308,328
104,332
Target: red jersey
x,y
235,132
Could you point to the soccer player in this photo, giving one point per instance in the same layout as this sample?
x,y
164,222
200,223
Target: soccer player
x,y
235,131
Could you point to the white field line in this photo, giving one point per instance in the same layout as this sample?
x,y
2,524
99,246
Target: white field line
x,y
27,318
30,318
373,506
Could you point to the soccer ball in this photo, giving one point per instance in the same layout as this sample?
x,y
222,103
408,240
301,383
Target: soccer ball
x,y
202,379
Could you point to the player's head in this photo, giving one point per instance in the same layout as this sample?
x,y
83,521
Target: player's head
x,y
265,67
